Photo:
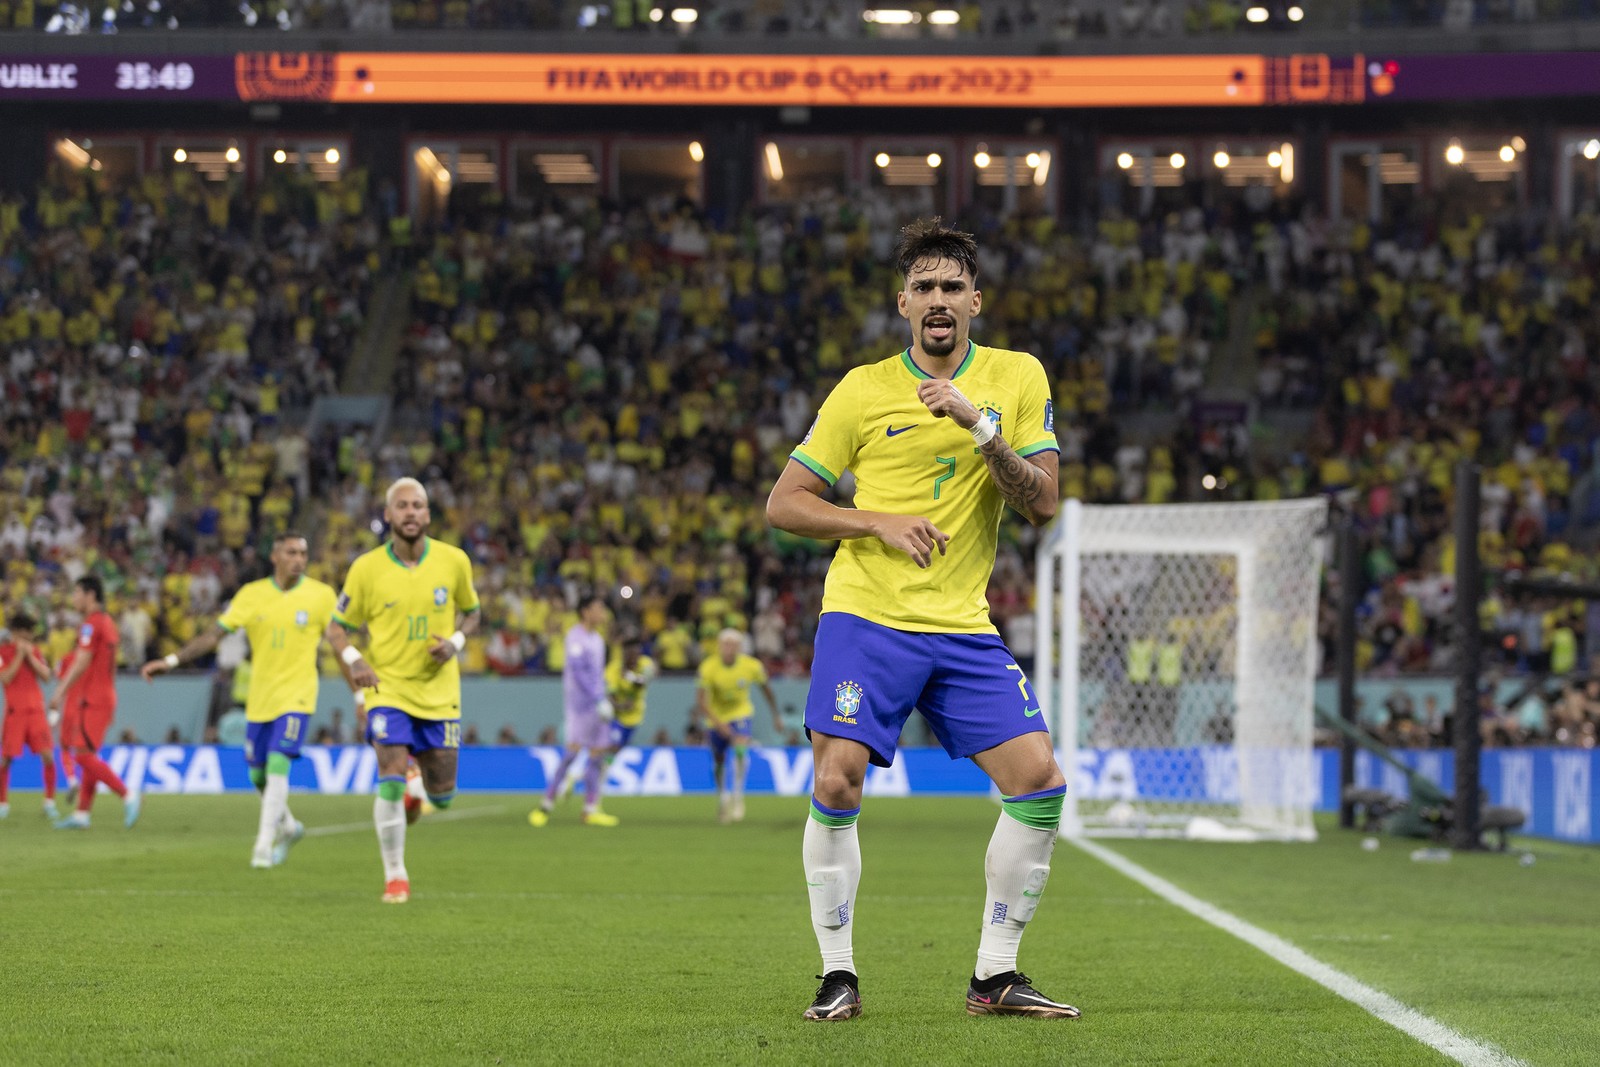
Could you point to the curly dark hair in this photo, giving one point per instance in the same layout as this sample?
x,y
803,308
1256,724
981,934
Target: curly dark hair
x,y
932,239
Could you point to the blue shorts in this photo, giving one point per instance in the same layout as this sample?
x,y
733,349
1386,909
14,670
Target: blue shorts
x,y
720,745
391,726
283,735
866,679
620,734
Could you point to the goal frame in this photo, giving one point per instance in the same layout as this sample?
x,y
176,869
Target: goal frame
x,y
1058,641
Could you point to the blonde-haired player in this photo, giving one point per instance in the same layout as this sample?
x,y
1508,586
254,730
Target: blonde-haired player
x,y
414,597
723,703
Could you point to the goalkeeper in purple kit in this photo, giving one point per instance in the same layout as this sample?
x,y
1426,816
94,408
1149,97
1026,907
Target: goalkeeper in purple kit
x,y
588,715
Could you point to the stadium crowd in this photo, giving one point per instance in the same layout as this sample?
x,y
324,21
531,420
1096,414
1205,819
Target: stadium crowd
x,y
157,334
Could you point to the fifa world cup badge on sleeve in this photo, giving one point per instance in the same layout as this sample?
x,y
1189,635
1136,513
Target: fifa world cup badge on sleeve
x,y
846,702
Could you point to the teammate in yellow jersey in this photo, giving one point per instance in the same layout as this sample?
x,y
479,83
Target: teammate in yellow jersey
x,y
285,617
940,438
415,599
723,704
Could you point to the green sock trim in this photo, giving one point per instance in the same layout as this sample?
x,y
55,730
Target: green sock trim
x,y
258,777
392,788
442,800
1043,813
277,763
836,821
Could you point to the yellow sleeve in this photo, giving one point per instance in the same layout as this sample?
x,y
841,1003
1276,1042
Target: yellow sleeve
x,y
1035,429
327,606
758,671
238,609
466,595
830,446
352,607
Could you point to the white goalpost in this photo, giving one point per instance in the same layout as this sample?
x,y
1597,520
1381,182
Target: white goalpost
x,y
1176,654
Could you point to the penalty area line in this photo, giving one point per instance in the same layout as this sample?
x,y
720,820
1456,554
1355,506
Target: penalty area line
x,y
1436,1035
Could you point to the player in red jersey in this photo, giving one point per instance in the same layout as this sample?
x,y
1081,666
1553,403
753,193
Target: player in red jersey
x,y
22,666
95,666
68,727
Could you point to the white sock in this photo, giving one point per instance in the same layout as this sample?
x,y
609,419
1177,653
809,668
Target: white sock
x,y
286,819
741,765
274,803
1016,868
389,816
832,858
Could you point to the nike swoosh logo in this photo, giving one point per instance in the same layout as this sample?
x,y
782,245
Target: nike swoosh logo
x,y
892,432
1035,896
390,604
810,882
1031,712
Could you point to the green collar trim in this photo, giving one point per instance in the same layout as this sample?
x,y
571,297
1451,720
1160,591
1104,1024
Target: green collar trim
x,y
918,372
427,542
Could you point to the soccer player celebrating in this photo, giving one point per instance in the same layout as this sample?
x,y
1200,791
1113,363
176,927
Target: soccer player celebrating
x,y
22,667
723,704
285,617
415,598
94,704
941,437
589,714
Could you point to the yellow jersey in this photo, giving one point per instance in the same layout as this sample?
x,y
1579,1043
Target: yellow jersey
x,y
627,697
907,461
284,626
403,609
727,686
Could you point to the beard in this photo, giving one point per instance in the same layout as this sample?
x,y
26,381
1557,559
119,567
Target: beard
x,y
938,346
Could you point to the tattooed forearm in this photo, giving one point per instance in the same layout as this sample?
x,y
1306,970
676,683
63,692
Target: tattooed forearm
x,y
1021,484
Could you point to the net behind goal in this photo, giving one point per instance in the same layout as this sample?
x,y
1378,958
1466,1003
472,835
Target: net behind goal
x,y
1177,652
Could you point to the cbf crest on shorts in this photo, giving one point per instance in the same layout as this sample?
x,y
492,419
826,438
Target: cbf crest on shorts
x,y
377,724
440,595
846,702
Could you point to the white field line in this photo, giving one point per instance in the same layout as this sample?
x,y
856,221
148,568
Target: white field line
x,y
1460,1048
438,816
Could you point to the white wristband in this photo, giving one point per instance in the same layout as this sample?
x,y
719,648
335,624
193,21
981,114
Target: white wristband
x,y
350,655
984,430
458,639
171,660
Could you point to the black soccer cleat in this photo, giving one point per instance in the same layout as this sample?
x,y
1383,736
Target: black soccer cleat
x,y
1013,994
838,998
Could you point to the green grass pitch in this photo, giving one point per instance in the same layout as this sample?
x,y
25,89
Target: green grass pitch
x,y
672,939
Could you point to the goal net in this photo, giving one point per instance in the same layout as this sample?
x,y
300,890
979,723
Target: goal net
x,y
1177,653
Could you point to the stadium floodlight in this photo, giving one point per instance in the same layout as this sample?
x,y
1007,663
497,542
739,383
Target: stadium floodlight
x,y
1507,153
280,156
331,155
1295,13
232,154
180,156
944,17
1032,159
891,16
1274,159
1177,161
656,14
774,162
981,159
1454,154
881,159
934,159
1124,160
684,15
1177,657
1256,14
697,152
1221,159
1041,169
1591,150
